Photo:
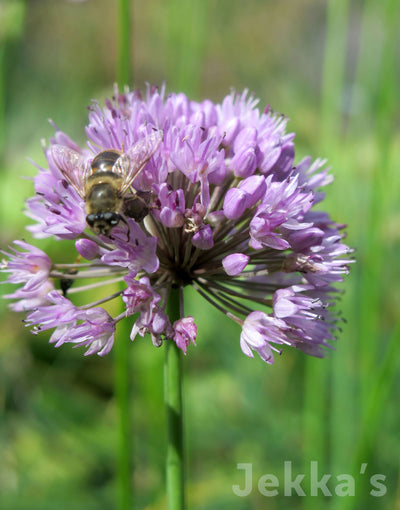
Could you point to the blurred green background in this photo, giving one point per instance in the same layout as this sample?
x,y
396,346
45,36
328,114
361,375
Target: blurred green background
x,y
333,68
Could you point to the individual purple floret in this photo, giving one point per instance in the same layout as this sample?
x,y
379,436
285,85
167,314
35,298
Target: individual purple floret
x,y
200,194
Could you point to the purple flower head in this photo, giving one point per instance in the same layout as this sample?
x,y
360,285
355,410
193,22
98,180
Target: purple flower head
x,y
168,193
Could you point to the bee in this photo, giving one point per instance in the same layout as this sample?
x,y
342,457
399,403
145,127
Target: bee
x,y
105,183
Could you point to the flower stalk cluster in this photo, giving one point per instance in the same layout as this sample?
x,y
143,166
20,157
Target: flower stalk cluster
x,y
220,205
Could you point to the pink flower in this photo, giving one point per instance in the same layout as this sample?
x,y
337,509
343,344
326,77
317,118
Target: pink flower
x,y
214,200
185,331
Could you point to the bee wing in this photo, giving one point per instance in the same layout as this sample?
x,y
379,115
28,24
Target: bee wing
x,y
130,164
72,165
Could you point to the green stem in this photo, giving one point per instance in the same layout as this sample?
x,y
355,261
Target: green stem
x,y
124,42
123,368
123,375
173,402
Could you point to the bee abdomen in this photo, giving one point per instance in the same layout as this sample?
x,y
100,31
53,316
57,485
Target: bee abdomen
x,y
103,197
104,161
104,176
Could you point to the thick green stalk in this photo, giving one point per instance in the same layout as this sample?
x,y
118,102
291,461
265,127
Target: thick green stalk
x,y
123,365
173,402
123,377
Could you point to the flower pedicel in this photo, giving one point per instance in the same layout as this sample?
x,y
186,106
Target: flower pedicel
x,y
205,195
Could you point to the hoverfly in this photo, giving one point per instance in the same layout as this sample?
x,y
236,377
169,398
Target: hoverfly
x,y
105,182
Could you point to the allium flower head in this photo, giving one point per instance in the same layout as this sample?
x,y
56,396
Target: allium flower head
x,y
215,201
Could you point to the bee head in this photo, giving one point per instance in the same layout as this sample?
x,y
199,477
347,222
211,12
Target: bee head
x,y
102,223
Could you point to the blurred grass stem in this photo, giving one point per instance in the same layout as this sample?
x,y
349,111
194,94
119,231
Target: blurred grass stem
x,y
324,380
186,42
379,362
124,42
2,98
12,17
173,401
123,365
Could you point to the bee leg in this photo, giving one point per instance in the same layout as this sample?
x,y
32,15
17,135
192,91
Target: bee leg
x,y
127,227
66,283
138,206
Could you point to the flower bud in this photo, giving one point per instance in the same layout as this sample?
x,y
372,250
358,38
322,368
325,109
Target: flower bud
x,y
87,248
235,263
235,203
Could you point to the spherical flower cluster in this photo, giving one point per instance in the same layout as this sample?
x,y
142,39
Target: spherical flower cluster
x,y
215,201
